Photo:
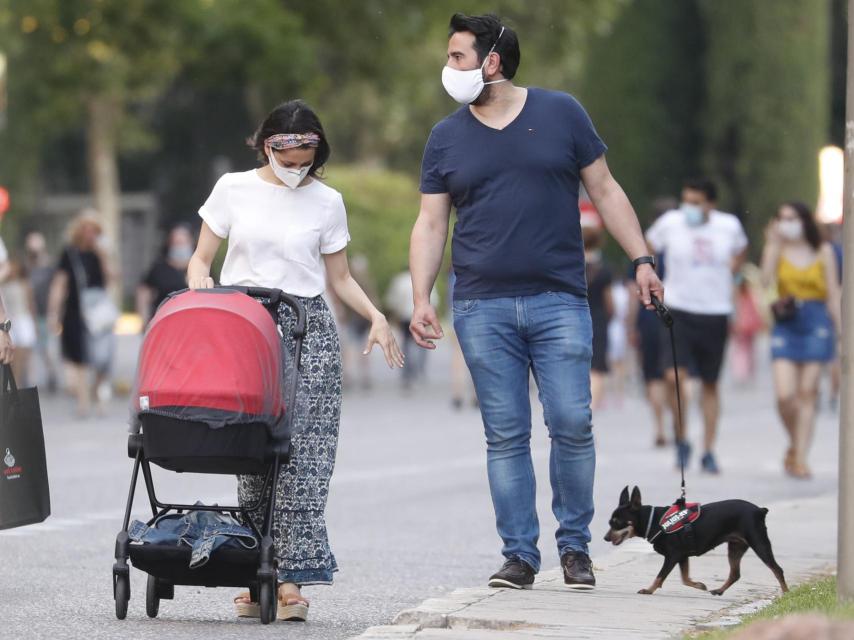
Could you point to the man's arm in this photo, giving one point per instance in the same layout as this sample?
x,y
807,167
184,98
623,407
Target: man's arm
x,y
621,222
426,249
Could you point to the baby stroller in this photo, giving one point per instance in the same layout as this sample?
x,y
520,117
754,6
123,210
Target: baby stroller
x,y
211,397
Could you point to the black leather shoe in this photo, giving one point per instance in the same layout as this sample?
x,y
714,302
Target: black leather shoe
x,y
577,571
515,574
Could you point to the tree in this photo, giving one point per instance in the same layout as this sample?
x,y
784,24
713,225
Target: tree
x,y
643,87
767,108
100,66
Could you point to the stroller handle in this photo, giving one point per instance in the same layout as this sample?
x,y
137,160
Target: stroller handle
x,y
276,296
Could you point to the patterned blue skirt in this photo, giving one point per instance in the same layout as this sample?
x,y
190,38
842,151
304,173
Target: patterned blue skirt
x,y
807,337
299,526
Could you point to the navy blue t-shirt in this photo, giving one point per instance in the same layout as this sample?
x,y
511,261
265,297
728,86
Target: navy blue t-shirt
x,y
515,190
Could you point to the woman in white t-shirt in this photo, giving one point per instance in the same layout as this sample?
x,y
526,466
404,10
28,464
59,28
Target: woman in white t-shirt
x,y
288,230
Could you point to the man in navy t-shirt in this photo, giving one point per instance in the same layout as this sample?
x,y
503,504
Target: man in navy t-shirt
x,y
511,162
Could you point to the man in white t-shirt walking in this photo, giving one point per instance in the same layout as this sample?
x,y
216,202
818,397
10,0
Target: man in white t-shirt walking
x,y
703,248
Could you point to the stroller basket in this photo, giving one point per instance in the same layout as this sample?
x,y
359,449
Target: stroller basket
x,y
211,396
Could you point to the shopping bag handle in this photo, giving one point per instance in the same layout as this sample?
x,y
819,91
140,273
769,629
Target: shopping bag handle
x,y
7,380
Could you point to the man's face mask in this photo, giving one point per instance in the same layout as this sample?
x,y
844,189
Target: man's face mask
x,y
693,214
466,86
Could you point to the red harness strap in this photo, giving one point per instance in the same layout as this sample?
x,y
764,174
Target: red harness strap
x,y
677,516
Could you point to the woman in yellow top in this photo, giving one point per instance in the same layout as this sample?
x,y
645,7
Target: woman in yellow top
x,y
803,340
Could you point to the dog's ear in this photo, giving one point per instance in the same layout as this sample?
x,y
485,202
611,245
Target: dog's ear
x,y
636,498
624,495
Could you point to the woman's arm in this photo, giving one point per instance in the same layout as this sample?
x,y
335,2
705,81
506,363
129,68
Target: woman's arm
x,y
351,294
56,299
144,296
199,268
770,255
834,293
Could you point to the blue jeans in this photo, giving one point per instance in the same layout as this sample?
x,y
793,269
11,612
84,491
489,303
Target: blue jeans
x,y
551,335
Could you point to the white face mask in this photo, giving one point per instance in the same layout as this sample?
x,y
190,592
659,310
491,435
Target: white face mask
x,y
290,177
791,229
466,86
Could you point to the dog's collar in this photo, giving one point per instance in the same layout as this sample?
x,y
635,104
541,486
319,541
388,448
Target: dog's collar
x,y
649,525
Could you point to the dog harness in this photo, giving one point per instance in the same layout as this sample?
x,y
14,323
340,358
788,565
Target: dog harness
x,y
679,517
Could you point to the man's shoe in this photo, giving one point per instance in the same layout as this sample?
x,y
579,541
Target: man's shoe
x,y
515,574
710,465
578,571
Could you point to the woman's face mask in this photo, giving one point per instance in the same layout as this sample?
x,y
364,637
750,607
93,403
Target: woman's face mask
x,y
180,253
791,229
290,177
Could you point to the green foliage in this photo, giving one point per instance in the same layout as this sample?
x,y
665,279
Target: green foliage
x,y
767,108
643,89
381,209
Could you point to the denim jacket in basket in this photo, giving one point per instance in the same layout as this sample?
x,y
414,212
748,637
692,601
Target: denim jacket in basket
x,y
203,531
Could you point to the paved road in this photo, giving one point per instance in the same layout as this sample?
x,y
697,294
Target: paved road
x,y
409,515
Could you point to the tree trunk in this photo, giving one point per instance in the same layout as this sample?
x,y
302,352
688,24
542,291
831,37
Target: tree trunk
x,y
102,152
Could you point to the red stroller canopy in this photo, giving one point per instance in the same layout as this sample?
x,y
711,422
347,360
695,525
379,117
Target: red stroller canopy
x,y
214,356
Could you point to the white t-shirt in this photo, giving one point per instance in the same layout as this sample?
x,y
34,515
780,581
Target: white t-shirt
x,y
276,234
4,254
698,260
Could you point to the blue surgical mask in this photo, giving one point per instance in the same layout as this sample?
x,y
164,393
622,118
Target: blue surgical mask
x,y
693,214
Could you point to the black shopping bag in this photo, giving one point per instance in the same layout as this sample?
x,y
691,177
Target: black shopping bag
x,y
24,492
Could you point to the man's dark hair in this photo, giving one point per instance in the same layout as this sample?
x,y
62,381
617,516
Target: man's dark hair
x,y
486,29
293,116
811,232
703,185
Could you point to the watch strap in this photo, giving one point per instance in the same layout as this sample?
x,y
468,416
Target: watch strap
x,y
650,260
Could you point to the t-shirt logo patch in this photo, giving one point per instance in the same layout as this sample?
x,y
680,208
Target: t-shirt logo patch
x,y
704,252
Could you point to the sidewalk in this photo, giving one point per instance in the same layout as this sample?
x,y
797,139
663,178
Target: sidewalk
x,y
803,534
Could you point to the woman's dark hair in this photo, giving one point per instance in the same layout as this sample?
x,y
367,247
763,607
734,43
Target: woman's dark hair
x,y
486,30
811,233
704,186
293,116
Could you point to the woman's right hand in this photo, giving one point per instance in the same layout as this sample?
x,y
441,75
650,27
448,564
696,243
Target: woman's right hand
x,y
201,282
772,234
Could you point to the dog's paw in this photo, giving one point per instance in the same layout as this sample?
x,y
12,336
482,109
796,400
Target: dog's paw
x,y
716,592
645,592
700,586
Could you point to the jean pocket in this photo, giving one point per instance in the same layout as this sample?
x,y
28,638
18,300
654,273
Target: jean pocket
x,y
569,299
462,307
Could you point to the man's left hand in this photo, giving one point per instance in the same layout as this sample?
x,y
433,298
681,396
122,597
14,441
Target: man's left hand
x,y
7,349
648,283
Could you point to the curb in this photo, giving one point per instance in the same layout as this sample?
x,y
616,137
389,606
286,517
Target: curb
x,y
550,610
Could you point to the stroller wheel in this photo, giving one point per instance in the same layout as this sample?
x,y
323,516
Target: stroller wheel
x,y
268,599
122,595
152,599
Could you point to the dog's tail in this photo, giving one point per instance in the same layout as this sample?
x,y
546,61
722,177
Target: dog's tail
x,y
760,517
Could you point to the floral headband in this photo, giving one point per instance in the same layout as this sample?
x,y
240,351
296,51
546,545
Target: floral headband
x,y
293,140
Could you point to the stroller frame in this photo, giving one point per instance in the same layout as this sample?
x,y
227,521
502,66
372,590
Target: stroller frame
x,y
167,565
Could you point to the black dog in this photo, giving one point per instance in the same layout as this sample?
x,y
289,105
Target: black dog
x,y
739,523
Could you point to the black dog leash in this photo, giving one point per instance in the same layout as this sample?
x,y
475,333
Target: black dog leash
x,y
667,319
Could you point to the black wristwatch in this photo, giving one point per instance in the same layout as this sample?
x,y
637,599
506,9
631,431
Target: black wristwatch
x,y
6,326
650,260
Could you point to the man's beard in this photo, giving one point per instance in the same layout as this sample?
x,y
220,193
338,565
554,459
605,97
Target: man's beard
x,y
484,97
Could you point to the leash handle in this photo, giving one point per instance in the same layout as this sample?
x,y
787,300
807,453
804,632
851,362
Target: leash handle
x,y
667,319
661,311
